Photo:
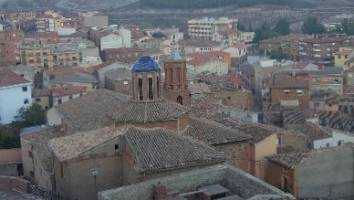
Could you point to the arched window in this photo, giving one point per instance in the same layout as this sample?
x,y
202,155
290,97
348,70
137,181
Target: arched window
x,y
140,85
180,100
151,94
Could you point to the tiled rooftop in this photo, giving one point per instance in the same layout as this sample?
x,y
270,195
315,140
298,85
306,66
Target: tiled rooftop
x,y
311,130
159,149
143,112
64,91
258,131
91,111
72,146
289,160
214,133
9,78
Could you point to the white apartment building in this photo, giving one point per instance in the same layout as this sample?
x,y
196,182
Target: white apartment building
x,y
113,41
203,29
15,93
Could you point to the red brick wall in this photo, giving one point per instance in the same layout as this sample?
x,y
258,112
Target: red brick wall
x,y
275,173
10,183
236,154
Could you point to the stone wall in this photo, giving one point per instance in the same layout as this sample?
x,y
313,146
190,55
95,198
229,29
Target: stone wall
x,y
11,183
234,179
328,173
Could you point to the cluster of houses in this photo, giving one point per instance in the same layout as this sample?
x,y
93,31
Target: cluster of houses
x,y
138,113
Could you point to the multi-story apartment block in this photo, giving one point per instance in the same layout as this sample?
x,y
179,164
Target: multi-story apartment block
x,y
65,55
204,28
289,45
321,47
343,55
45,23
9,47
327,80
34,54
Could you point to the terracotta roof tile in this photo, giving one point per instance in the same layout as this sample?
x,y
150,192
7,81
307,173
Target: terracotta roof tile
x,y
9,78
214,133
159,149
64,91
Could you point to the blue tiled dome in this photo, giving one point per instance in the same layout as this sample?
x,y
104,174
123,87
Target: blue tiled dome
x,y
145,64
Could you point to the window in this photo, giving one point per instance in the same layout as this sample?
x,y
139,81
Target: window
x,y
38,99
286,91
26,101
116,147
140,85
30,154
158,86
24,89
59,101
71,97
299,92
151,95
285,183
339,143
125,82
61,170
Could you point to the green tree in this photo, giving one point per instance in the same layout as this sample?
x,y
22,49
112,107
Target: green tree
x,y
241,27
264,32
9,139
158,35
31,116
347,26
312,26
282,27
278,55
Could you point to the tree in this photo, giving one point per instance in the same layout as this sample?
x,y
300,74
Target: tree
x,y
264,32
282,27
278,55
9,139
31,116
312,26
241,27
347,26
158,35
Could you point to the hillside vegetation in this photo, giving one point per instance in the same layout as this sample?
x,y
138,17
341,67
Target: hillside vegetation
x,y
214,3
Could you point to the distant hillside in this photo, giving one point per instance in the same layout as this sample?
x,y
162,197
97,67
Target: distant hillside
x,y
217,3
68,5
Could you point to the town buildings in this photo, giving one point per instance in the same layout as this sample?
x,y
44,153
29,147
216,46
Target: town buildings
x,y
329,79
205,184
202,29
290,89
10,47
15,93
321,47
299,173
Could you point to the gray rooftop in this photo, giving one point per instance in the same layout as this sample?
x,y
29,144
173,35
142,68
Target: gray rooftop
x,y
214,133
77,78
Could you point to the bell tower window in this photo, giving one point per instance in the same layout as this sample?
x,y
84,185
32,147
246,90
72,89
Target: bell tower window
x,y
158,86
140,85
151,94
